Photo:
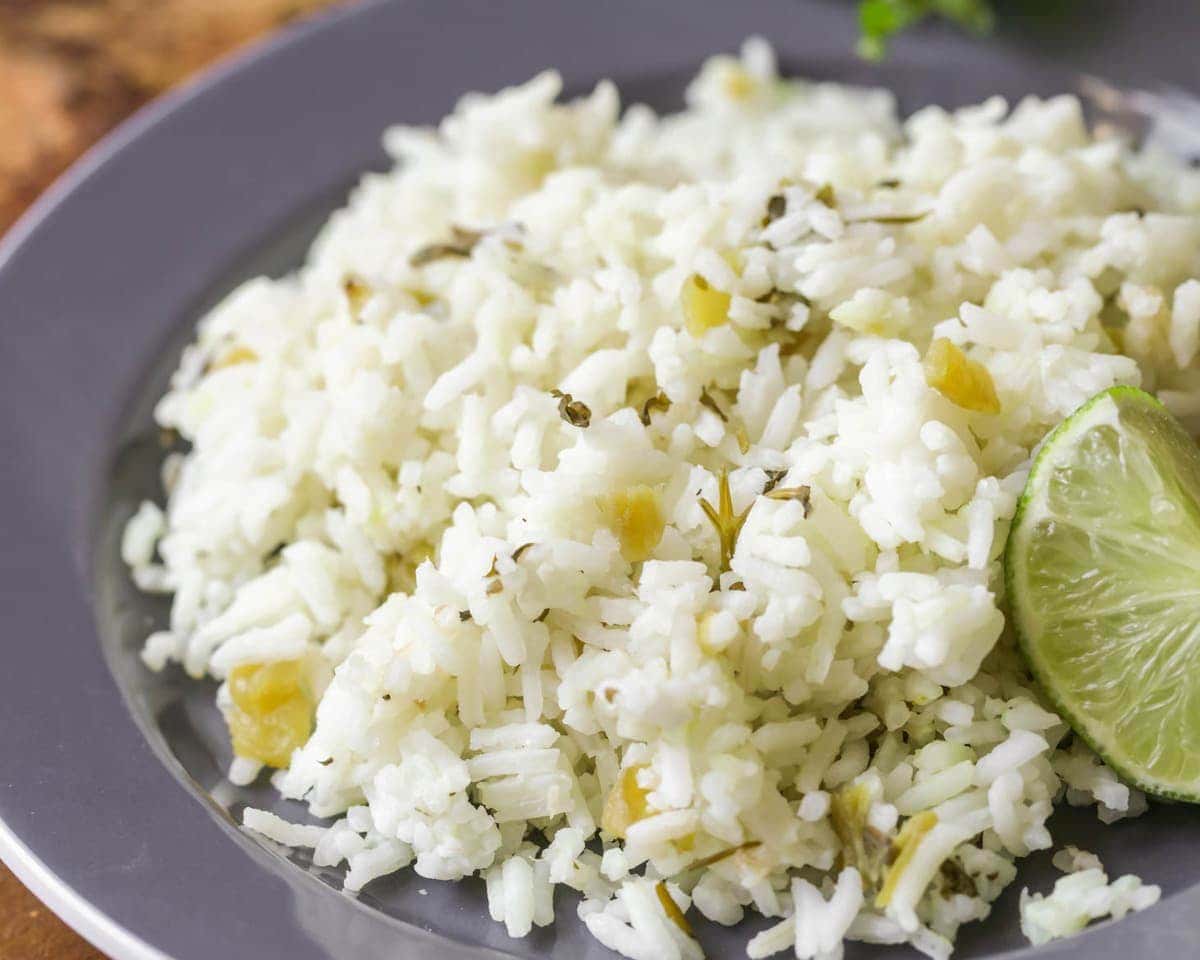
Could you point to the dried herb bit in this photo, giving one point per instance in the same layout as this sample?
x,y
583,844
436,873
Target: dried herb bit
x,y
326,762
776,208
737,587
889,184
727,523
773,479
357,292
723,855
575,412
671,909
464,616
863,847
955,880
462,243
516,554
783,298
706,400
794,342
541,617
438,251
891,218
743,441
903,849
803,493
655,404
826,195
386,696
494,584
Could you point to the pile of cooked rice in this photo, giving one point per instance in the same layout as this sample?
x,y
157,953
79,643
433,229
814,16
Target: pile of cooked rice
x,y
616,501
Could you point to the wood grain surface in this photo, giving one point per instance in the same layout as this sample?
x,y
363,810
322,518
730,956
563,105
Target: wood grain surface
x,y
69,71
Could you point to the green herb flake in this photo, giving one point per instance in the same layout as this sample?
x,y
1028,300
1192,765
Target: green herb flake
x,y
892,219
863,847
706,400
575,412
773,480
826,195
743,441
723,855
462,242
357,292
776,208
727,523
659,403
954,880
904,847
802,493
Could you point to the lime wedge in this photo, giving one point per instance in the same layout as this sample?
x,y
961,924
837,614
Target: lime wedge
x,y
1103,575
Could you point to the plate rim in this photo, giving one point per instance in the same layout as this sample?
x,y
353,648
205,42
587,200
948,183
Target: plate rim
x,y
98,928
105,931
75,910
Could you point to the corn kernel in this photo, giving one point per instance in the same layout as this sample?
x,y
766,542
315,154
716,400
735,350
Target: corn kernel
x,y
703,307
736,82
960,379
233,356
538,164
625,804
637,520
272,711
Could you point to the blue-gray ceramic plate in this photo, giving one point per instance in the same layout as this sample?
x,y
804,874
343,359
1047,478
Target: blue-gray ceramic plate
x,y
112,806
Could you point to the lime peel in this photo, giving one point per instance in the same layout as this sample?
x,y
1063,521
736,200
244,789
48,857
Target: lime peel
x,y
1100,571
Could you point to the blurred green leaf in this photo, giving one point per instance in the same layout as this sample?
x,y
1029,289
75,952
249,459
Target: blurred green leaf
x,y
880,20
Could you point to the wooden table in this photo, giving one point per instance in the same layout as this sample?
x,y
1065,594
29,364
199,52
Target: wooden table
x,y
70,70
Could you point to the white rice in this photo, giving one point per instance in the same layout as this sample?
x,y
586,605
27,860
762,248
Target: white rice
x,y
381,486
1080,897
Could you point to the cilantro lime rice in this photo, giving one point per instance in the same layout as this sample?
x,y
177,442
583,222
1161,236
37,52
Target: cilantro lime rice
x,y
617,501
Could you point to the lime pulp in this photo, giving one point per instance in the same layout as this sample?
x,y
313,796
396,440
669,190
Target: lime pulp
x,y
1102,571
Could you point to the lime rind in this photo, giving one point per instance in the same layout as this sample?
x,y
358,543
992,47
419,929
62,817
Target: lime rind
x,y
1138,607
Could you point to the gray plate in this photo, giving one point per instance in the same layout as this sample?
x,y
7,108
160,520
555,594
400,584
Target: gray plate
x,y
111,803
